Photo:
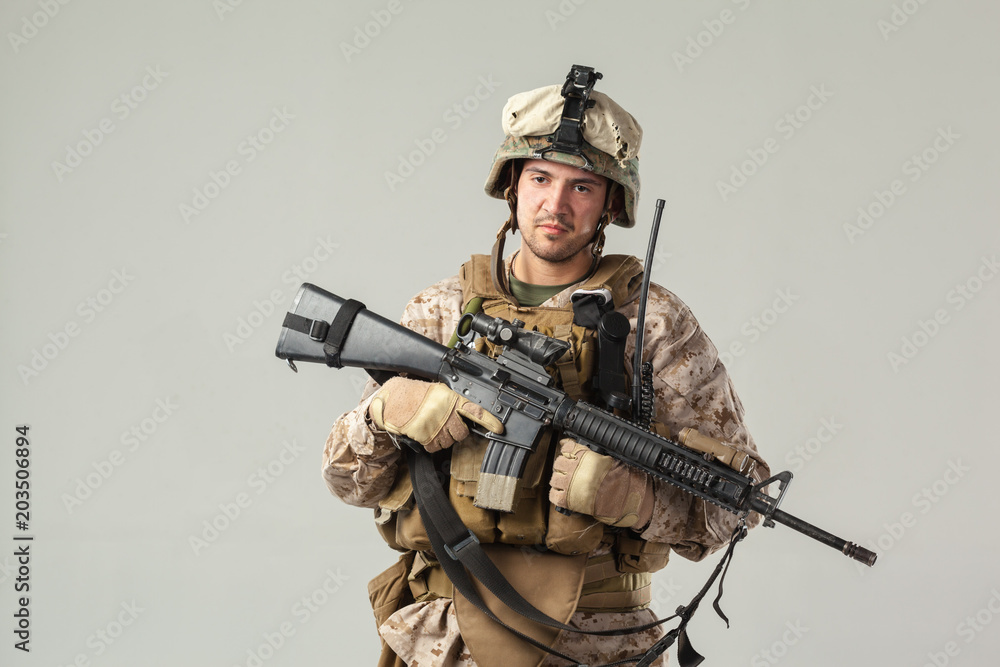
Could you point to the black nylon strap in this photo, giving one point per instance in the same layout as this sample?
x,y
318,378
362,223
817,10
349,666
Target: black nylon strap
x,y
315,329
457,549
318,330
332,335
686,655
338,331
424,479
463,548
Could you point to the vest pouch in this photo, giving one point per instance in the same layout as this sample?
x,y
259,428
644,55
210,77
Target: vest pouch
x,y
410,531
385,523
526,525
572,534
397,518
634,555
481,522
575,369
387,593
466,459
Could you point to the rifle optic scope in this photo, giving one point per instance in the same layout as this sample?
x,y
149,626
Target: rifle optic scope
x,y
538,347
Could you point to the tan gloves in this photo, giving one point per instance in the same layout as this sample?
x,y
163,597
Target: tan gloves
x,y
427,412
605,488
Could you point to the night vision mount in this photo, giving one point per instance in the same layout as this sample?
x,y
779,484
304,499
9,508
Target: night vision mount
x,y
569,136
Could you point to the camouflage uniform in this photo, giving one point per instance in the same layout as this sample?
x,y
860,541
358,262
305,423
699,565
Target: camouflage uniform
x,y
692,389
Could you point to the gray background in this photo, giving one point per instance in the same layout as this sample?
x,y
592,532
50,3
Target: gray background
x,y
190,319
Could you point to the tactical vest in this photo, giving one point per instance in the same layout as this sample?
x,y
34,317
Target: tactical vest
x,y
534,521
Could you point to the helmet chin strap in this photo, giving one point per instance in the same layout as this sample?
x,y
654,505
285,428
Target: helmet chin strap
x,y
606,219
497,273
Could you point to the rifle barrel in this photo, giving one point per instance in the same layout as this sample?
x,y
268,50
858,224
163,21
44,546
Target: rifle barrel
x,y
849,549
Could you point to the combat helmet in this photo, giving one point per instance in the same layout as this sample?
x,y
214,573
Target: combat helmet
x,y
574,125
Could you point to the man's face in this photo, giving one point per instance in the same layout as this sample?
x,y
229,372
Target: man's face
x,y
558,209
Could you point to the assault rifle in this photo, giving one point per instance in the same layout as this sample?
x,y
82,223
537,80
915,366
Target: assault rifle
x,y
516,388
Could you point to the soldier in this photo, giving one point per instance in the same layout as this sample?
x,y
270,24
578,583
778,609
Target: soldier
x,y
586,531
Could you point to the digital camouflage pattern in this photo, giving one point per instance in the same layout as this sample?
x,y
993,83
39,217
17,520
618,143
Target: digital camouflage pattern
x,y
605,125
692,389
426,635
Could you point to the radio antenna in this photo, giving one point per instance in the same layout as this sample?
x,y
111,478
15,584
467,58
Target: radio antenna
x,y
642,373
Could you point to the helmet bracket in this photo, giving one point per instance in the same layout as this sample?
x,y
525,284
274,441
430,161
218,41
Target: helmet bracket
x,y
568,138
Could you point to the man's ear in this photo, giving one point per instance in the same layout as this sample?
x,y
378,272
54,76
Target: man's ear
x,y
512,173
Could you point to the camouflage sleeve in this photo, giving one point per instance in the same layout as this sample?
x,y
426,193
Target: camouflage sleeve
x,y
359,461
693,390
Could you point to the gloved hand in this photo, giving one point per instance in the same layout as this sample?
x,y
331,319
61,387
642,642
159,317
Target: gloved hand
x,y
428,412
603,487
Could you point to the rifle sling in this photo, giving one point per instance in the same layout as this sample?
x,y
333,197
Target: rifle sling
x,y
436,511
687,656
460,555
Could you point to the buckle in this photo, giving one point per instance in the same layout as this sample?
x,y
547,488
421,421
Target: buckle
x,y
453,551
318,330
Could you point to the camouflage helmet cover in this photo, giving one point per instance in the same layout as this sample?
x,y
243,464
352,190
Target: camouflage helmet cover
x,y
611,141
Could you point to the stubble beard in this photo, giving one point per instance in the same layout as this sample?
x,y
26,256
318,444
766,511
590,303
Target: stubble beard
x,y
558,254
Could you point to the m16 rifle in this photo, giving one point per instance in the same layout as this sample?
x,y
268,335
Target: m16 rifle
x,y
516,388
